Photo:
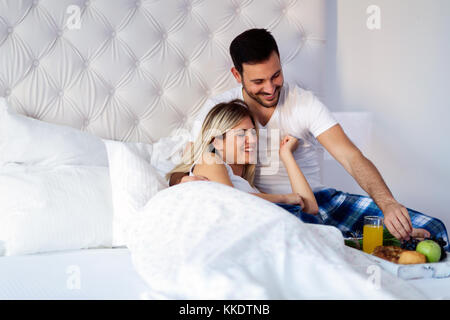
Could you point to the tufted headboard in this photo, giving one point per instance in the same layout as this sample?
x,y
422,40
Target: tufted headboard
x,y
138,70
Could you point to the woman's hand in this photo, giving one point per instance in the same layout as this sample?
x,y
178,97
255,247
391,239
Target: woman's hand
x,y
294,198
288,145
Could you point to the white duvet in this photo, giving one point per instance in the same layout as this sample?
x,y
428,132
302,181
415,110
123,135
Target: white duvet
x,y
203,240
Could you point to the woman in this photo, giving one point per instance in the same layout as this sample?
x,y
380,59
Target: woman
x,y
225,152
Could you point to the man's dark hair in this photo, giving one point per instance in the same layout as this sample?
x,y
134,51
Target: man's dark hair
x,y
252,46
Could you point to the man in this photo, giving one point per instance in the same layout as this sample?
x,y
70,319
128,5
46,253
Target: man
x,y
292,110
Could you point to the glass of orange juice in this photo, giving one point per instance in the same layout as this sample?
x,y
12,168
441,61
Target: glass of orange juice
x,y
372,233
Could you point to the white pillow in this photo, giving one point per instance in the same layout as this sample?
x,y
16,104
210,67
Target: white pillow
x,y
134,180
167,152
30,141
54,208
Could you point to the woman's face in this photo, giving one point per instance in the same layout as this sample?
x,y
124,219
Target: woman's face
x,y
240,143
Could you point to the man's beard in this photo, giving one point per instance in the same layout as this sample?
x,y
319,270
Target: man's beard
x,y
256,98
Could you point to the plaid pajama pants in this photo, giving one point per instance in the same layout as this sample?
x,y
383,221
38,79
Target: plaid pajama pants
x,y
347,211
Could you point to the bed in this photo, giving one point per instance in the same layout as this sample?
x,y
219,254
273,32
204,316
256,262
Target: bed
x,y
104,274
97,91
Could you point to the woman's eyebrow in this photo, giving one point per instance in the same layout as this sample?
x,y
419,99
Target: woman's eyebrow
x,y
241,130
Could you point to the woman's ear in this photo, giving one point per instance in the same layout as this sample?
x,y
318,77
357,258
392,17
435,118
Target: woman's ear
x,y
218,143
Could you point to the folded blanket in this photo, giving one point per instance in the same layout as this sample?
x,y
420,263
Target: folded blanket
x,y
204,240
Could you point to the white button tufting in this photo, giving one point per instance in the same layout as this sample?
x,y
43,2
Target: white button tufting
x,y
158,40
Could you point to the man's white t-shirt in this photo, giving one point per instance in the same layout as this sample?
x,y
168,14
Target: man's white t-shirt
x,y
298,113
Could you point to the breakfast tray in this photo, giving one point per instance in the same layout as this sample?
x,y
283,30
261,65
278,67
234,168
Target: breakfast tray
x,y
414,271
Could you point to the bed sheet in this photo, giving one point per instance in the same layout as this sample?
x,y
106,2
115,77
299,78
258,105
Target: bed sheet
x,y
78,274
104,274
438,289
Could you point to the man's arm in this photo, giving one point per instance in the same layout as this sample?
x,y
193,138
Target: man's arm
x,y
181,177
396,216
176,178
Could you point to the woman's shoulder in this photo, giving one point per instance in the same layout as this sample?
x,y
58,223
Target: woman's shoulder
x,y
210,161
212,167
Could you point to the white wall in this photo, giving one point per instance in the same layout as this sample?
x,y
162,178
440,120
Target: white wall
x,y
401,74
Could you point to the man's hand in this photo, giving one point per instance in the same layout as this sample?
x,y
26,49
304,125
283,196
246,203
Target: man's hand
x,y
193,178
420,233
397,220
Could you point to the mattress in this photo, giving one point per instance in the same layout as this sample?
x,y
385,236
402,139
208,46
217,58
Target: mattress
x,y
78,274
102,274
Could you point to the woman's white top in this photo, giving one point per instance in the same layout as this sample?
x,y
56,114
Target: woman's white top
x,y
237,181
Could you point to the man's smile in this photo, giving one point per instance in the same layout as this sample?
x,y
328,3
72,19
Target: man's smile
x,y
271,97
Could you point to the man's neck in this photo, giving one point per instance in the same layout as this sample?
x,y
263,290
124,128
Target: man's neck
x,y
260,113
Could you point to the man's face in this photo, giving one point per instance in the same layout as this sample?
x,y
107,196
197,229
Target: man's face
x,y
262,81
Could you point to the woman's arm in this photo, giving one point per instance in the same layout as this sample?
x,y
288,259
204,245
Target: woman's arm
x,y
290,198
212,169
276,198
298,181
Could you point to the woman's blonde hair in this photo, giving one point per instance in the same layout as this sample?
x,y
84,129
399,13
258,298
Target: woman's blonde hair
x,y
220,119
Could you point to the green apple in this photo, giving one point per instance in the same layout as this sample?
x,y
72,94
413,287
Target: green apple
x,y
429,249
